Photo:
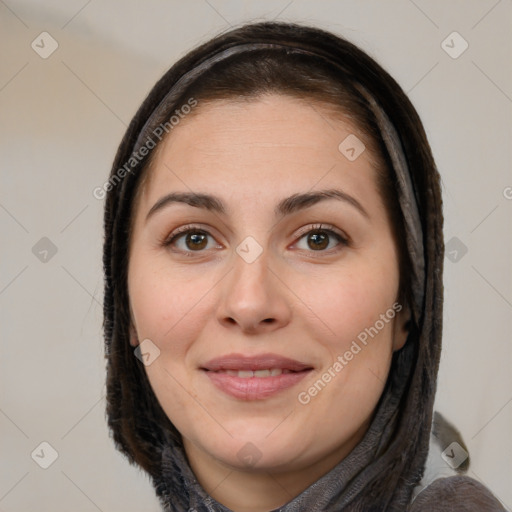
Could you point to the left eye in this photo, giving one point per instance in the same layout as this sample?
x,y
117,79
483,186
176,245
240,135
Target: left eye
x,y
321,240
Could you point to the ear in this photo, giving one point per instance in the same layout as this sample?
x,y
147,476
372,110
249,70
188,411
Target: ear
x,y
134,340
401,327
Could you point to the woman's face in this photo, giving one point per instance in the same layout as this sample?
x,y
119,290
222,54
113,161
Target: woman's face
x,y
259,245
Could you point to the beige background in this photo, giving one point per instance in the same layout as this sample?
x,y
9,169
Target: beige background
x,y
61,121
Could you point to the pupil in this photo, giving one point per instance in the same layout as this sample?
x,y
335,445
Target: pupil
x,y
318,240
196,240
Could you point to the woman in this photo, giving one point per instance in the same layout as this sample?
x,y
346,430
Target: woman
x,y
273,296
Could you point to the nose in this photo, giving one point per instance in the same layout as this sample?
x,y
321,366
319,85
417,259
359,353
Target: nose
x,y
253,299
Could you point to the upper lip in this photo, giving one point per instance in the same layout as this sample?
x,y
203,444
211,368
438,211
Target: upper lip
x,y
254,363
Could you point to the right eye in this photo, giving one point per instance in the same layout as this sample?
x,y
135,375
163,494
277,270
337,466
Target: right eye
x,y
189,239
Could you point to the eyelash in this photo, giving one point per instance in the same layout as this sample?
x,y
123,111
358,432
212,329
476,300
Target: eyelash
x,y
325,228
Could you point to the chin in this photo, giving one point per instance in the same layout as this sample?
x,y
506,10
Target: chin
x,y
256,449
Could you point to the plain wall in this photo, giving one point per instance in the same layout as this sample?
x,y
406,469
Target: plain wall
x,y
61,121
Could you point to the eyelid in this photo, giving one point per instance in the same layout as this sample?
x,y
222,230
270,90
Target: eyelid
x,y
167,240
342,239
321,227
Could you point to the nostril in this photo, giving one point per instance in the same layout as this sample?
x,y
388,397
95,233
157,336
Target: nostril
x,y
249,326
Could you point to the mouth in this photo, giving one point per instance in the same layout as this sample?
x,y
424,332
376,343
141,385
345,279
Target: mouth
x,y
247,374
254,377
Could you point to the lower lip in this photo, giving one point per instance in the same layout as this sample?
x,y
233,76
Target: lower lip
x,y
255,388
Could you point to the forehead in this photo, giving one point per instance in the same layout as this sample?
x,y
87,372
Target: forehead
x,y
269,144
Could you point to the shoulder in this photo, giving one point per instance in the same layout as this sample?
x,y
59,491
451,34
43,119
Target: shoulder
x,y
456,493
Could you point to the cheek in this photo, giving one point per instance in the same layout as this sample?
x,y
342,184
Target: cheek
x,y
170,309
353,324
167,305
352,320
345,303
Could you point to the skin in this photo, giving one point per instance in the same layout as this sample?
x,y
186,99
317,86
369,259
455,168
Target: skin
x,y
304,303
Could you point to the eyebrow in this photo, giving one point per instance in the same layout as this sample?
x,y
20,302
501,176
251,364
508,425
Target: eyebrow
x,y
287,206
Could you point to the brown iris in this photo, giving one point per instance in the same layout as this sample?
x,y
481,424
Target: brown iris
x,y
318,240
196,240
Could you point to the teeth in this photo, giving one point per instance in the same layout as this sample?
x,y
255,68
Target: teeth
x,y
246,374
262,373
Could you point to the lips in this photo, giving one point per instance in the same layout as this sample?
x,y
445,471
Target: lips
x,y
238,362
254,377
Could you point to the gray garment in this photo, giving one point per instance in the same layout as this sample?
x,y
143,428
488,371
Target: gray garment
x,y
456,494
179,490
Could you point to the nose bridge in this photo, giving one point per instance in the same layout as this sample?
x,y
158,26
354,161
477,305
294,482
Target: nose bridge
x,y
252,296
250,277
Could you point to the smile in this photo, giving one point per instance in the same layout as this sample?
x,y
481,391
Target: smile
x,y
254,377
